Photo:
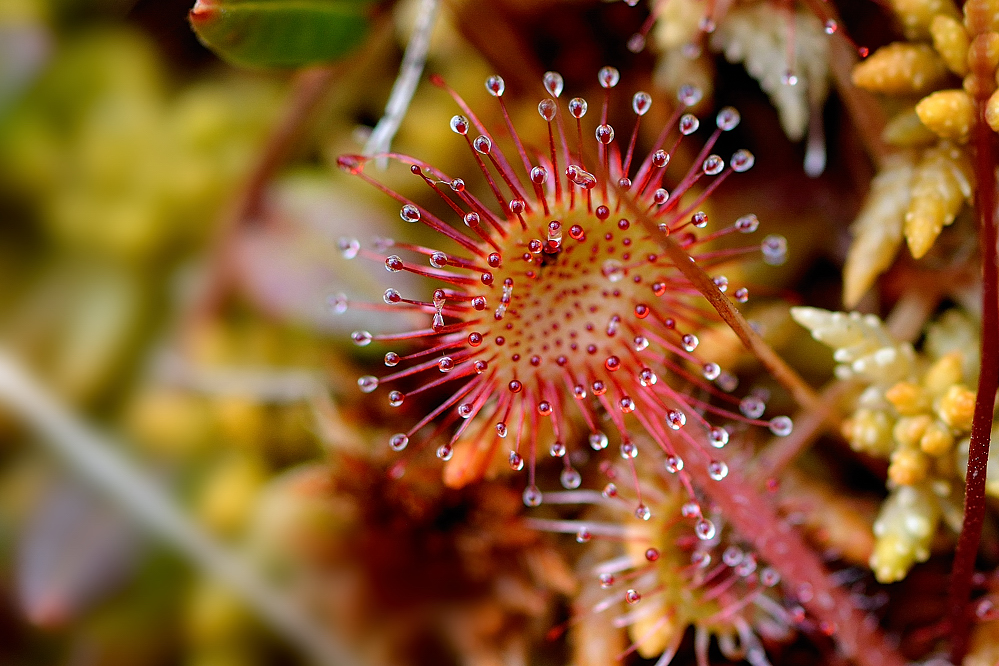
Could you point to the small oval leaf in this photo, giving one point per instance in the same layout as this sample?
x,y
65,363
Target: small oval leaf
x,y
281,33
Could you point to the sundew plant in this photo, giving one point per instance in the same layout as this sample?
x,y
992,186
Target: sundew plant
x,y
568,332
567,279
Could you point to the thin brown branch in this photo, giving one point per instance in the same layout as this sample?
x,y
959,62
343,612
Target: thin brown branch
x,y
808,427
308,89
799,389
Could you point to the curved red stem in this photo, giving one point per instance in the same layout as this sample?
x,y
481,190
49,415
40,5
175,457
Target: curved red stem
x,y
985,154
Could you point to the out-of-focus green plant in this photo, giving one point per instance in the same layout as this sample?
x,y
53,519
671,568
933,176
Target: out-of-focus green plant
x,y
112,161
282,33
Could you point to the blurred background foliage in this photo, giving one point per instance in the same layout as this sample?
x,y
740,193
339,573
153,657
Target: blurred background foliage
x,y
168,228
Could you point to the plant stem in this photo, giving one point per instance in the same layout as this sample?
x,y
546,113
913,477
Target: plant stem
x,y
803,394
985,154
410,71
308,89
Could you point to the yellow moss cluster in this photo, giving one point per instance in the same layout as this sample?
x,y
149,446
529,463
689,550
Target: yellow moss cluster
x,y
914,413
949,61
944,45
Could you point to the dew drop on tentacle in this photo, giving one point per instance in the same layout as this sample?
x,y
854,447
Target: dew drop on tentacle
x,y
727,381
547,109
580,177
713,165
349,247
604,134
742,160
781,426
717,470
410,213
641,102
711,371
495,85
516,461
399,441
704,529
608,77
632,597
718,437
700,559
338,303
539,175
396,398
598,441
689,124
361,338
642,512
570,478
752,407
689,95
774,249
367,383
553,83
675,419
732,555
557,449
578,107
769,577
690,509
728,119
459,124
532,496
747,224
445,451
629,450
606,580
482,144
673,464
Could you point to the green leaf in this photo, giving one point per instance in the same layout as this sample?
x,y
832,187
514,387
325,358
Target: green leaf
x,y
281,33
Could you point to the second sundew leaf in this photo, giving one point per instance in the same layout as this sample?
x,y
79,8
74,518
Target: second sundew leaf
x,y
282,33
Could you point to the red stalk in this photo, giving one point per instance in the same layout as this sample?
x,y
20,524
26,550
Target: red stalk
x,y
961,617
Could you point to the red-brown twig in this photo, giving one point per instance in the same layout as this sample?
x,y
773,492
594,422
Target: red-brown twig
x,y
799,389
985,154
308,89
